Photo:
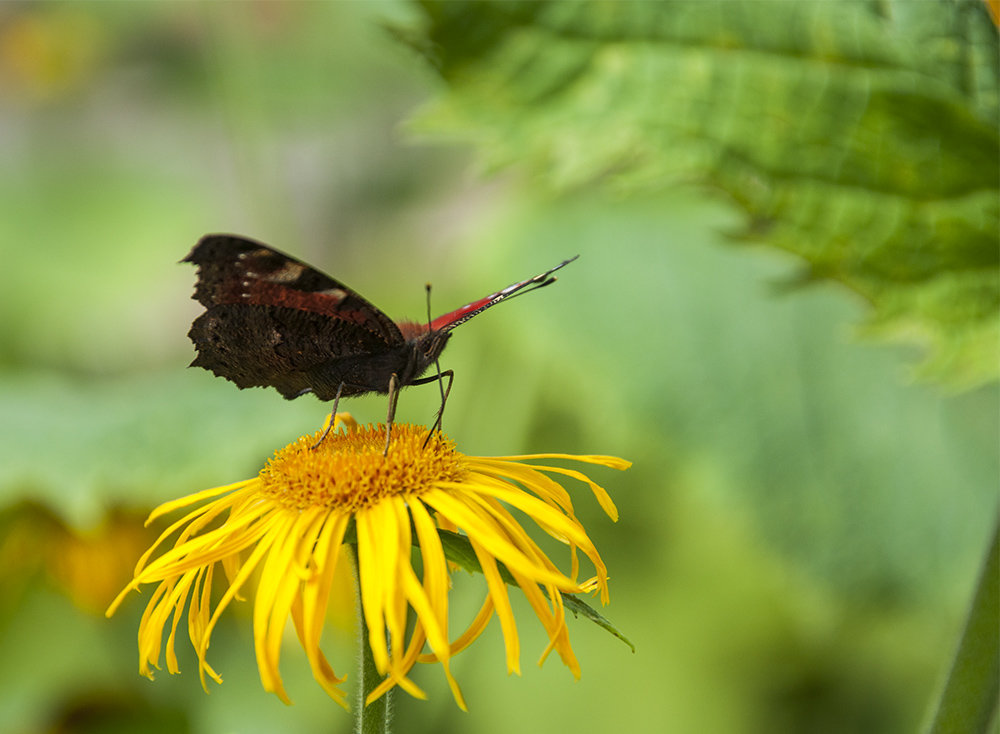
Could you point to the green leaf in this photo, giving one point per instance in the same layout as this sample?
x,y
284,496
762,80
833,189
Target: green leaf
x,y
458,550
579,607
861,137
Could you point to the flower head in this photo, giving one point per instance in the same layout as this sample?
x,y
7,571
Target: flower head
x,y
292,523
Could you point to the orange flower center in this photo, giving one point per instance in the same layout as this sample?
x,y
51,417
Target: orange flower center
x,y
348,471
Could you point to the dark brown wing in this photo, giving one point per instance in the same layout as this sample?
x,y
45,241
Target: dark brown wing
x,y
292,350
236,270
272,320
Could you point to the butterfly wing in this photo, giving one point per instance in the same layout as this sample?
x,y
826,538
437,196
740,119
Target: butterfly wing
x,y
238,270
272,320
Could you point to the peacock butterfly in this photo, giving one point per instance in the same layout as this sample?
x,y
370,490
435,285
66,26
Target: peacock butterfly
x,y
271,320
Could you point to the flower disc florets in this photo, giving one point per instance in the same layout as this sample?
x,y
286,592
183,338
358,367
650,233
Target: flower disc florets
x,y
348,472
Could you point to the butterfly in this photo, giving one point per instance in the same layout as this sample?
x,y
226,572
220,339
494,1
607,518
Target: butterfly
x,y
273,321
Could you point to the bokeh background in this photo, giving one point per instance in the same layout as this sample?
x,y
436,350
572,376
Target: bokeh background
x,y
803,524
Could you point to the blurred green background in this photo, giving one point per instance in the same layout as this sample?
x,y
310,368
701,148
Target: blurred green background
x,y
803,524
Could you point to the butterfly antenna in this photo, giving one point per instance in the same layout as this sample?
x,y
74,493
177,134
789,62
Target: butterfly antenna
x,y
427,288
437,367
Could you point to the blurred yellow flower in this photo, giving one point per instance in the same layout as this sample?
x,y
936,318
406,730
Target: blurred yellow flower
x,y
291,522
88,565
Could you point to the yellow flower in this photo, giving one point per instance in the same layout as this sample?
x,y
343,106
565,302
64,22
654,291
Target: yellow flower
x,y
292,523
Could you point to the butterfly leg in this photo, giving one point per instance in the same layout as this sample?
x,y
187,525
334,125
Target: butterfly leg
x,y
445,392
333,418
393,398
444,398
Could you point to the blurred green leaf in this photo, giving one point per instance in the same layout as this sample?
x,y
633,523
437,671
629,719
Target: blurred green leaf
x,y
80,446
756,403
969,701
860,136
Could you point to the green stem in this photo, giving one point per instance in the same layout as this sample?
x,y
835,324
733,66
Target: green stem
x,y
375,718
969,700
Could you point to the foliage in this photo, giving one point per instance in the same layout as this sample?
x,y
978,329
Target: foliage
x,y
860,136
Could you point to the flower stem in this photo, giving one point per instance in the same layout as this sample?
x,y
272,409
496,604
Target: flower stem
x,y
969,699
375,718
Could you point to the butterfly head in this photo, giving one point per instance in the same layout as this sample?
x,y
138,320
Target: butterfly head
x,y
426,344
